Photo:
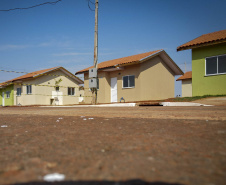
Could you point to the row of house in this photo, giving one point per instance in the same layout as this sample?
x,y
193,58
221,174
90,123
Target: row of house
x,y
142,77
150,76
54,86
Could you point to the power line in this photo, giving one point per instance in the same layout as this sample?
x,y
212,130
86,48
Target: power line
x,y
89,5
51,3
41,74
91,2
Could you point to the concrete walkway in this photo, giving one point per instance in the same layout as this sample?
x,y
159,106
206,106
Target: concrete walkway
x,y
101,105
134,104
182,104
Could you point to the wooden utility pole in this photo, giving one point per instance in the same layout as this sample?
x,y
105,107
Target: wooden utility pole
x,y
94,90
96,35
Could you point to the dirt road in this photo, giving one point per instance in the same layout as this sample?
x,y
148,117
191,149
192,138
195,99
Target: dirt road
x,y
138,145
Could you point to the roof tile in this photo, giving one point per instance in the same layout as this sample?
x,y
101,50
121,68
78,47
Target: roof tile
x,y
187,75
210,38
36,73
32,74
124,60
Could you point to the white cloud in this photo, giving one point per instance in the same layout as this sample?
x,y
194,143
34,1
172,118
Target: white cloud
x,y
51,43
72,54
13,46
76,68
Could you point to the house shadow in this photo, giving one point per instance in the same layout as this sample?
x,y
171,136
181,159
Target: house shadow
x,y
129,182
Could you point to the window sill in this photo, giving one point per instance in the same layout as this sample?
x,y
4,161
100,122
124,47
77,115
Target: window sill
x,y
215,74
128,87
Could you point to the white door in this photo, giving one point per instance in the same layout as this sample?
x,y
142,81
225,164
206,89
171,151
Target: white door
x,y
3,99
58,97
114,89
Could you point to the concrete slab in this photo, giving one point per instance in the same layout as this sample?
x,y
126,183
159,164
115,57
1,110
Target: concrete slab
x,y
101,105
182,104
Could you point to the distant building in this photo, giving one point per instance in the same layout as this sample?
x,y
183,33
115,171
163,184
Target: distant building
x,y
146,76
186,84
54,86
208,63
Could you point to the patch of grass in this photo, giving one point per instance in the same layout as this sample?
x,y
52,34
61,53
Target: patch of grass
x,y
187,99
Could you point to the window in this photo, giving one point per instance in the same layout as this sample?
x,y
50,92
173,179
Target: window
x,y
71,91
7,94
18,91
29,90
128,81
216,65
57,88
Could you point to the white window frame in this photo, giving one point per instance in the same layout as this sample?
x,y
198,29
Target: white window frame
x,y
29,89
71,91
217,66
19,91
128,82
7,94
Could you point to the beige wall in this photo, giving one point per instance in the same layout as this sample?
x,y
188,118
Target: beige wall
x,y
41,95
153,81
187,88
157,80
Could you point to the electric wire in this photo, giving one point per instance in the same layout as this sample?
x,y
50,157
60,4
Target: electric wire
x,y
34,6
89,5
39,74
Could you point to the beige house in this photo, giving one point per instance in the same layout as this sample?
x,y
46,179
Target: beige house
x,y
54,86
146,76
186,84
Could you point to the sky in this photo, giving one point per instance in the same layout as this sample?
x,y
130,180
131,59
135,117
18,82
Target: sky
x,y
63,34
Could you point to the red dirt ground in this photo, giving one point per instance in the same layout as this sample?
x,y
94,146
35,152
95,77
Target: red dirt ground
x,y
136,145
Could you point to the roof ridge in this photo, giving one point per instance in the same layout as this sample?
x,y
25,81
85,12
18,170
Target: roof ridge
x,y
132,55
122,60
34,72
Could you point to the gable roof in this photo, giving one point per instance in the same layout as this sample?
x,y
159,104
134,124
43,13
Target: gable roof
x,y
203,40
134,59
42,72
2,84
187,75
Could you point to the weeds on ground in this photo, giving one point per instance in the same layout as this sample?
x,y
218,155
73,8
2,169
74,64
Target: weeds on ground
x,y
186,99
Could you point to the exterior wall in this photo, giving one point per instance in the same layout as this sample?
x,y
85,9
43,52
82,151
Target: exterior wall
x,y
129,94
187,88
104,91
8,101
207,85
81,96
157,80
42,95
153,81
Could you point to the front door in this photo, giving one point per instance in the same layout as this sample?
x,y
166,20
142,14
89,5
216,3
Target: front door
x,y
3,99
114,89
58,97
